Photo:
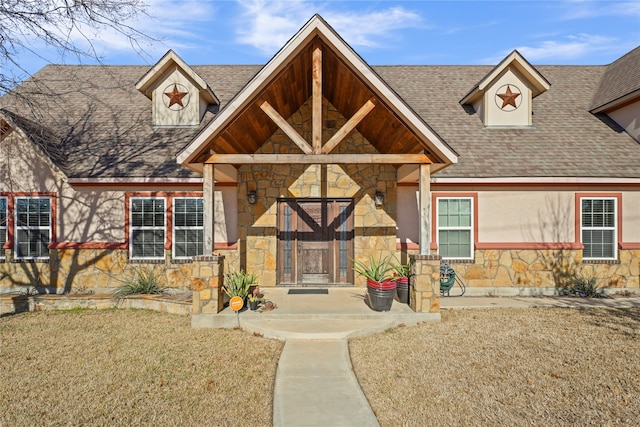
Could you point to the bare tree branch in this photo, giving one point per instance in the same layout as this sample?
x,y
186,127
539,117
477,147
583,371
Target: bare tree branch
x,y
69,27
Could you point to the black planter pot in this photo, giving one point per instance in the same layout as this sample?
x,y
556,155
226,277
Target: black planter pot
x,y
402,290
381,300
253,305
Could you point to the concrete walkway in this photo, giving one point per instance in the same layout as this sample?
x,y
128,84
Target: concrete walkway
x,y
315,384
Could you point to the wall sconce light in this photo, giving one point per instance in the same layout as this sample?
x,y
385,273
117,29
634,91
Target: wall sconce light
x,y
378,199
252,196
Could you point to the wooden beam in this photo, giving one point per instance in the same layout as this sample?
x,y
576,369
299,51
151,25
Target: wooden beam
x,y
316,110
349,126
275,159
424,200
208,192
286,128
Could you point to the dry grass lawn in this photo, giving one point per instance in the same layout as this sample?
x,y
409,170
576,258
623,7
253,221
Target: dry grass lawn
x,y
129,367
543,367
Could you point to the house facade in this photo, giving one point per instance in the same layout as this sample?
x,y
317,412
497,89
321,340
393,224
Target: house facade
x,y
519,176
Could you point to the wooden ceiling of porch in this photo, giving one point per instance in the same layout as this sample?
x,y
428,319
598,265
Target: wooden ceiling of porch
x,y
292,87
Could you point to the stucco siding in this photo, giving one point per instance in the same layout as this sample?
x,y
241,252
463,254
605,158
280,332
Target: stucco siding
x,y
631,217
628,117
408,218
23,169
526,216
90,215
226,214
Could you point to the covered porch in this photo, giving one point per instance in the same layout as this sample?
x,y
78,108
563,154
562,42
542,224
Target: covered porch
x,y
316,139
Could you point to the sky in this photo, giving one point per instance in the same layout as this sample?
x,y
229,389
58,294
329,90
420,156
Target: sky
x,y
576,32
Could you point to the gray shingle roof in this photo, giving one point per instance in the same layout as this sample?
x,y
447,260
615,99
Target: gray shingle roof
x,y
102,123
621,78
565,140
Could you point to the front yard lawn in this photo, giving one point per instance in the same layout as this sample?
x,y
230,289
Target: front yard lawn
x,y
132,367
506,367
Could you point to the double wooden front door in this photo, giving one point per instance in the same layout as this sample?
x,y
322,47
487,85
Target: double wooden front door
x,y
315,241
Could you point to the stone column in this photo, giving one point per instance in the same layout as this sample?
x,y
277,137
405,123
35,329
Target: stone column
x,y
207,278
424,289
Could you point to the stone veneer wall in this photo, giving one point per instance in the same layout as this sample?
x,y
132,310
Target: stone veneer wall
x,y
531,272
375,228
100,270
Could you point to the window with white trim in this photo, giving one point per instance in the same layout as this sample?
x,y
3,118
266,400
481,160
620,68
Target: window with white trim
x,y
598,228
188,226
33,227
3,224
455,227
148,228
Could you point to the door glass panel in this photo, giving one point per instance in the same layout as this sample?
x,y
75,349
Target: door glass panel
x,y
287,240
342,239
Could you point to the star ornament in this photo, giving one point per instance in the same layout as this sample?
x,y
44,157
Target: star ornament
x,y
509,98
175,96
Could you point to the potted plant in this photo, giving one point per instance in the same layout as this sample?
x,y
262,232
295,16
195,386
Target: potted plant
x,y
254,297
401,273
237,283
381,287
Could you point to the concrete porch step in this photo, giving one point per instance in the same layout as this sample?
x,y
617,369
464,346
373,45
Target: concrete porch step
x,y
327,326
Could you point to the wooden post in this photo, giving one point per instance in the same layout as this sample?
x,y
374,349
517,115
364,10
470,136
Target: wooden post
x,y
316,111
424,199
208,193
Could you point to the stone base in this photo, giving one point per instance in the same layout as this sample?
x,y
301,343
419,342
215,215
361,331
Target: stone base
x,y
12,304
424,286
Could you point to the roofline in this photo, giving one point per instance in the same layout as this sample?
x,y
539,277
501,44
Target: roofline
x,y
317,27
134,180
537,180
618,102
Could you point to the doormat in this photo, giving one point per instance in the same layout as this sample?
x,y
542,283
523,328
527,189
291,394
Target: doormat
x,y
308,291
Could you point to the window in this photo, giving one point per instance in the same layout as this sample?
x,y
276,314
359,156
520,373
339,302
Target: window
x,y
147,228
455,227
188,226
33,227
3,224
598,228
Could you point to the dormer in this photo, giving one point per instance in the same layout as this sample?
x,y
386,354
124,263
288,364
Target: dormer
x,y
503,98
179,96
618,94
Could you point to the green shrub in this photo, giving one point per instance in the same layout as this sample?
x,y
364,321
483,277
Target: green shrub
x,y
400,269
237,283
377,271
141,280
585,286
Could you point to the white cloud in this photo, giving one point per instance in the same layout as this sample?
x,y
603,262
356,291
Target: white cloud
x,y
165,20
267,25
566,50
574,46
583,9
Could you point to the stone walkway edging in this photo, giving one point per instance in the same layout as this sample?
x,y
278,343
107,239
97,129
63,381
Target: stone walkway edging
x,y
12,304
